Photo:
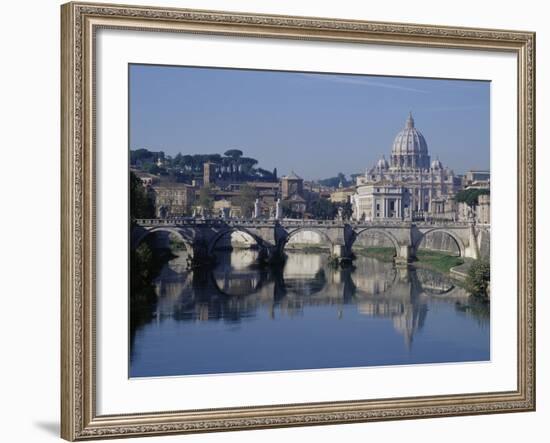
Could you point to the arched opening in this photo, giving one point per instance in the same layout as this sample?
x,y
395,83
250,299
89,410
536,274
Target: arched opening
x,y
307,253
233,239
164,238
433,283
236,281
307,240
165,245
304,273
440,241
375,243
439,250
234,250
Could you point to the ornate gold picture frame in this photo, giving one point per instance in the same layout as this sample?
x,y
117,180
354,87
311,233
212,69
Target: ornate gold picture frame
x,y
80,22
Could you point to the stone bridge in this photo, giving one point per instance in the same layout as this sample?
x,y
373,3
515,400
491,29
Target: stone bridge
x,y
200,236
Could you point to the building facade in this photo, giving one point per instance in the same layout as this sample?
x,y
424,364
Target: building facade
x,y
173,199
409,185
380,201
292,193
342,195
477,179
146,178
291,185
480,212
209,173
483,209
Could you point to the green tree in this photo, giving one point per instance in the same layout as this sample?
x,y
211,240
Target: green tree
x,y
140,204
245,200
187,163
234,160
288,212
323,209
152,168
335,181
469,196
263,174
347,210
478,278
141,155
246,166
233,153
141,269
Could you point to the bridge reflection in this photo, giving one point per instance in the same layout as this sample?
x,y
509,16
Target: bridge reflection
x,y
236,289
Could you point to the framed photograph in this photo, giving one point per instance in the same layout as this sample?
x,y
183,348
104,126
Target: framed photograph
x,y
283,221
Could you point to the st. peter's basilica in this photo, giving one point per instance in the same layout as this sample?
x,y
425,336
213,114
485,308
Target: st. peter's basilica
x,y
409,186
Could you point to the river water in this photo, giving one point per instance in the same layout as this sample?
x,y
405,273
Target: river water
x,y
237,317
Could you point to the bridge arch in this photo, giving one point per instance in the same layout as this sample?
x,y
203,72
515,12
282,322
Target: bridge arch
x,y
214,240
294,232
149,232
458,241
375,230
236,284
433,283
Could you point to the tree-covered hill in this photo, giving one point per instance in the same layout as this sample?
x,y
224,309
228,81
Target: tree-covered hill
x,y
232,165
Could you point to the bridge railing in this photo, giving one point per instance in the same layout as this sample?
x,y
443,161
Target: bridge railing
x,y
167,221
299,222
190,221
442,222
184,221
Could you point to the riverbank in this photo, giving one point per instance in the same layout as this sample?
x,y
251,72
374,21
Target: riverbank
x,y
380,253
460,272
437,261
433,260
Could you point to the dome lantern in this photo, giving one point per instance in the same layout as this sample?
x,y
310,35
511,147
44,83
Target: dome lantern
x,y
410,121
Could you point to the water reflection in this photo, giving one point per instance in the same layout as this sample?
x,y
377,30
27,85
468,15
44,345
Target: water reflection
x,y
364,299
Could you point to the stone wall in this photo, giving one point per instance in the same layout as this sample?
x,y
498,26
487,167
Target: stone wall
x,y
439,241
483,209
305,238
372,239
484,243
173,199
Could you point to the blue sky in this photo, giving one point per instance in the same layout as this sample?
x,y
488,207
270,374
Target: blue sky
x,y
315,124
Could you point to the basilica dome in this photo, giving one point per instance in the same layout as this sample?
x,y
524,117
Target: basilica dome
x,y
410,149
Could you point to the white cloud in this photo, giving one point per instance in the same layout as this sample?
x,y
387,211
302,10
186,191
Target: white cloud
x,y
361,81
457,108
